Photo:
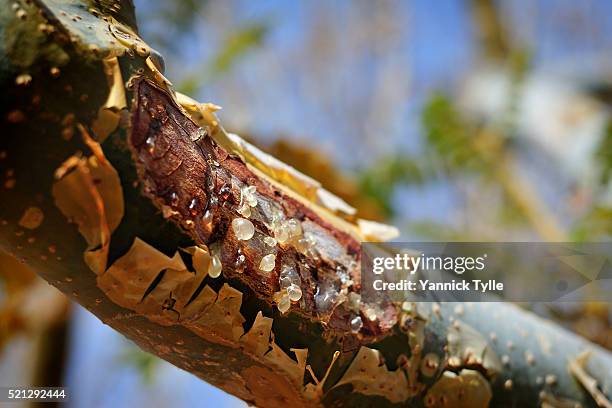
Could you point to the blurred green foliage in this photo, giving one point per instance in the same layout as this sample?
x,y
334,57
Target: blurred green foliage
x,y
241,41
144,363
596,225
448,135
236,45
380,180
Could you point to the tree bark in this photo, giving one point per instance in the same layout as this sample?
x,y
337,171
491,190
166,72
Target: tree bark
x,y
133,200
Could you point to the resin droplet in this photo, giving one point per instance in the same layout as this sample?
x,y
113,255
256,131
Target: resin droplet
x,y
294,292
294,228
150,143
269,241
356,324
325,296
247,196
303,245
215,267
345,278
281,233
288,230
288,277
225,192
193,207
243,229
244,210
284,282
206,222
370,313
267,263
240,262
247,200
174,199
201,133
284,304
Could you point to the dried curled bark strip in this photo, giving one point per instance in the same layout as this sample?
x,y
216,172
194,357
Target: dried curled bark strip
x,y
88,192
197,184
576,367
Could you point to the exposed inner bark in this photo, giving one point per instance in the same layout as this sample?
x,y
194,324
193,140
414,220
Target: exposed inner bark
x,y
200,186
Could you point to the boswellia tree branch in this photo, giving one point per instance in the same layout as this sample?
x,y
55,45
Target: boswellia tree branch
x,y
133,200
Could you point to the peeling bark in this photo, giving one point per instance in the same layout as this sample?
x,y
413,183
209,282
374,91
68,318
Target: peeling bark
x,y
183,183
200,186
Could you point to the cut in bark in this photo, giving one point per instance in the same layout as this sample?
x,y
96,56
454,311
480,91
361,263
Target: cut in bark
x,y
156,229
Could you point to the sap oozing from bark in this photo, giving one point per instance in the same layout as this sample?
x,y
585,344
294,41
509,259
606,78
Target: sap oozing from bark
x,y
260,230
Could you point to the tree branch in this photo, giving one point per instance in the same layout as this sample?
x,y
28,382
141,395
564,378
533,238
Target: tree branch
x,y
135,222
